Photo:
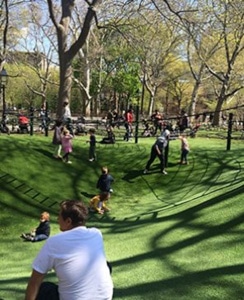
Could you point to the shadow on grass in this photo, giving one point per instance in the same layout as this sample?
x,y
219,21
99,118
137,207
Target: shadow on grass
x,y
87,195
186,283
9,286
44,152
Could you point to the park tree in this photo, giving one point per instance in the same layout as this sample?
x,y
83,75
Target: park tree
x,y
40,57
67,47
226,67
216,30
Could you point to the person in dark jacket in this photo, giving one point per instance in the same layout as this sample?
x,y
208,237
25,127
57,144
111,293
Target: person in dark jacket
x,y
92,141
41,232
157,150
104,182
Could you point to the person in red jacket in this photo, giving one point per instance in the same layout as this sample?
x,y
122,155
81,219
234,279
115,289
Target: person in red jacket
x,y
128,124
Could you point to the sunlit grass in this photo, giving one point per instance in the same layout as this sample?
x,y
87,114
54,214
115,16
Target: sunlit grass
x,y
170,237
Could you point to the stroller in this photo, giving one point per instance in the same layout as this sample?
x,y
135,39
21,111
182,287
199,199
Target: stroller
x,y
23,124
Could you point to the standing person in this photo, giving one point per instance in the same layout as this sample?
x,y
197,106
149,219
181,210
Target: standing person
x,y
78,258
166,133
104,182
67,121
66,140
57,135
157,150
184,149
92,147
156,118
66,112
128,125
42,116
41,232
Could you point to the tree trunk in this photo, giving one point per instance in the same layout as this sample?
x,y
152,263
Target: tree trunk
x,y
65,78
66,53
192,108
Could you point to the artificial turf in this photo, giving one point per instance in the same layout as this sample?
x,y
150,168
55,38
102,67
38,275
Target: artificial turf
x,y
178,236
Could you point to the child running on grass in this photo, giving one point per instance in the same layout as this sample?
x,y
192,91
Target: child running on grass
x,y
66,140
98,203
41,232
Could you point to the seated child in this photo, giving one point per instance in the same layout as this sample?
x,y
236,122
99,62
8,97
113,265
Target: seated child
x,y
41,232
110,139
98,203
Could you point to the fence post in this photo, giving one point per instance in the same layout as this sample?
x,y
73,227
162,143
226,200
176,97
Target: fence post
x,y
46,119
31,119
229,131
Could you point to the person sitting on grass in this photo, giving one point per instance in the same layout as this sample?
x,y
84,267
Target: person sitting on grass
x,y
41,232
98,204
77,256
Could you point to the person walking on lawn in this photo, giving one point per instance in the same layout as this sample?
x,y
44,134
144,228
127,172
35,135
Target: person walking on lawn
x,y
66,145
157,150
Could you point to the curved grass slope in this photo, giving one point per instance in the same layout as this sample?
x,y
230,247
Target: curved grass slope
x,y
170,237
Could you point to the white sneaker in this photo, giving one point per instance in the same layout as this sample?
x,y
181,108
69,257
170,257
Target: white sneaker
x,y
145,171
91,159
164,172
69,162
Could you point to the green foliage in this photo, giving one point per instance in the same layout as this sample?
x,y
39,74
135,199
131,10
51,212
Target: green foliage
x,y
17,92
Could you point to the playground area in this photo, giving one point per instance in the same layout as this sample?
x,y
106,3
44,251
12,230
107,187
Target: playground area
x,y
167,237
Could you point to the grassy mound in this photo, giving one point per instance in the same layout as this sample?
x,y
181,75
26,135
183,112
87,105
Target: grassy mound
x,y
169,237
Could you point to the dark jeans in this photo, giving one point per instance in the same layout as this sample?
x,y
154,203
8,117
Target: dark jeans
x,y
166,155
92,152
48,291
66,157
40,237
153,155
127,132
184,154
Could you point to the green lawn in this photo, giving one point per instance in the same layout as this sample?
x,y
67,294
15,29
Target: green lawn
x,y
170,237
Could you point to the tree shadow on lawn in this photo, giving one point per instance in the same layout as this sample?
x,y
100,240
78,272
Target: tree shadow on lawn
x,y
194,285
133,174
44,152
185,283
138,220
87,195
9,286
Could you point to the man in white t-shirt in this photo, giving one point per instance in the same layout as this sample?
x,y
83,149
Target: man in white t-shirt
x,y
78,258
